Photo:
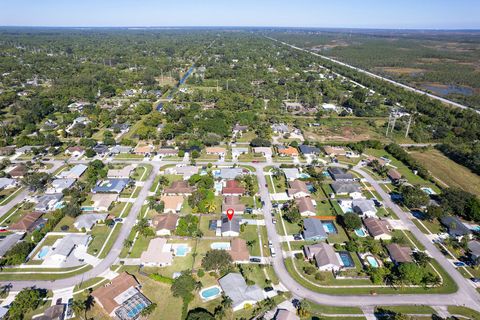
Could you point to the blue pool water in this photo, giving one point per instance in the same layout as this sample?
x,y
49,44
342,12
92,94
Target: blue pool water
x,y
347,260
304,175
87,209
220,246
427,190
209,293
59,205
43,252
360,232
310,187
372,261
325,174
136,310
329,227
181,251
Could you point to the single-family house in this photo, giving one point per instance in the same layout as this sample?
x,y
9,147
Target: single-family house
x,y
7,151
339,174
158,254
305,206
28,222
230,173
291,173
394,175
165,224
239,250
298,189
7,183
103,201
239,129
352,189
399,254
180,188
309,150
230,228
219,151
313,229
144,149
75,151
73,173
233,202
120,127
280,128
185,171
378,229
88,220
241,294
172,204
19,171
167,152
265,151
474,251
120,149
121,297
122,173
333,151
324,255
233,188
65,246
48,202
238,151
287,151
9,241
58,185
111,186
455,227
364,207
54,312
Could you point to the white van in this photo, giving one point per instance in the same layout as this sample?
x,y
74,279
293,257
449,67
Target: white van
x,y
272,251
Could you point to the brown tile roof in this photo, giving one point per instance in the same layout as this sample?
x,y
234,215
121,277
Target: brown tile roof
x,y
376,227
297,186
143,149
26,222
172,202
305,204
215,150
399,254
167,151
233,187
179,187
106,295
394,174
75,148
239,250
232,202
291,151
165,221
19,171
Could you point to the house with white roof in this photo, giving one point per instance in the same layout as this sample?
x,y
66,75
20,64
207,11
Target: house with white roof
x,y
158,254
235,287
88,220
7,183
291,173
64,247
103,201
58,185
73,173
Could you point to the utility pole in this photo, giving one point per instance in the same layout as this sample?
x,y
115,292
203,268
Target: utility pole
x,y
408,126
393,124
388,126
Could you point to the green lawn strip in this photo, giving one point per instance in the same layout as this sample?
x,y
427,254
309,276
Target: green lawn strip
x,y
128,156
463,311
415,309
10,196
90,283
139,246
155,182
251,234
323,309
408,236
142,172
111,241
420,226
448,286
42,276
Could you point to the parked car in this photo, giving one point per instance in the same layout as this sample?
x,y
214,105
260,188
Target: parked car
x,y
256,260
59,301
270,244
268,289
249,210
459,264
475,280
274,221
297,237
275,205
118,220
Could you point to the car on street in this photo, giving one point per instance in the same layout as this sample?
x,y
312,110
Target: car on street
x,y
475,280
459,264
255,260
274,221
297,237
59,301
270,244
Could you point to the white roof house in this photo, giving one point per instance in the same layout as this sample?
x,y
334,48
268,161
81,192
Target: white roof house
x,y
64,247
74,173
185,171
88,220
238,151
121,173
6,183
158,254
58,185
235,287
364,207
291,173
103,201
230,173
48,202
266,151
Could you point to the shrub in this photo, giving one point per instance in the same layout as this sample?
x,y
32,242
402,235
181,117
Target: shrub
x,y
299,255
200,273
319,276
309,269
160,278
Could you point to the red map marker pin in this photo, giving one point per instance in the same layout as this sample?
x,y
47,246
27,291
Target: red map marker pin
x,y
230,213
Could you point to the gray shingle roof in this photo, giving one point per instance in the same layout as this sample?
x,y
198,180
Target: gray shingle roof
x,y
345,187
230,225
313,228
455,226
111,186
235,287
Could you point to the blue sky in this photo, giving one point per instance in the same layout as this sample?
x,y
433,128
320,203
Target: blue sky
x,y
447,14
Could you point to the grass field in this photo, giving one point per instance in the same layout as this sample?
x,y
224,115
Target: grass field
x,y
448,171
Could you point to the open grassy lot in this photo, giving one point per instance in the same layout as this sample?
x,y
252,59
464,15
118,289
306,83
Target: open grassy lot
x,y
142,172
462,311
417,309
448,171
128,156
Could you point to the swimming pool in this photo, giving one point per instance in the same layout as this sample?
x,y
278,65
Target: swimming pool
x,y
372,261
329,227
181,250
310,187
43,253
325,174
136,310
210,293
304,175
87,208
347,260
360,232
220,246
59,205
428,190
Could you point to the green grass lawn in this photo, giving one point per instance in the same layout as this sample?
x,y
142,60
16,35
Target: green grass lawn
x,y
251,234
462,311
128,156
416,309
142,172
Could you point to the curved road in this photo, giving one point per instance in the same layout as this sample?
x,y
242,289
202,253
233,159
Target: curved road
x,y
404,86
466,294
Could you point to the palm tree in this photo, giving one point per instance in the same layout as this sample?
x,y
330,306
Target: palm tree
x,y
127,243
251,243
78,308
226,301
89,303
211,206
198,286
